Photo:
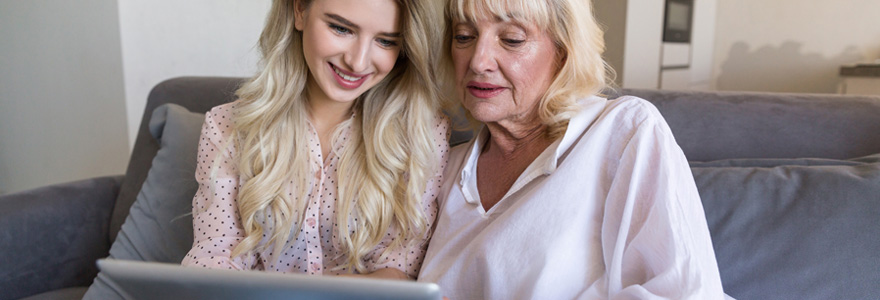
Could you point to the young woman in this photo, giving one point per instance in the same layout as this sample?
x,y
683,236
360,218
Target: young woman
x,y
330,160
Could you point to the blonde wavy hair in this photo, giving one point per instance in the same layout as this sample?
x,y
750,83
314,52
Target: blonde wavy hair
x,y
579,40
383,169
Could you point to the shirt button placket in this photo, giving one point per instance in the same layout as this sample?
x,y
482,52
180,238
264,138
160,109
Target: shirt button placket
x,y
313,242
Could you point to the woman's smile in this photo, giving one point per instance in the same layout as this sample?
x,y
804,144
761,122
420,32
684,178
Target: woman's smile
x,y
348,80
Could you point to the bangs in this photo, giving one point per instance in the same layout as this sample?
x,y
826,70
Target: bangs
x,y
535,12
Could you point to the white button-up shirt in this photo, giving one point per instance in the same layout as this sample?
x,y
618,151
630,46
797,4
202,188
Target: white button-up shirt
x,y
610,210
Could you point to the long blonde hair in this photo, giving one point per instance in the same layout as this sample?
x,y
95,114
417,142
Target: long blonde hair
x,y
579,40
383,169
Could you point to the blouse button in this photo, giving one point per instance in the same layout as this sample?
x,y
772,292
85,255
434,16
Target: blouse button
x,y
310,222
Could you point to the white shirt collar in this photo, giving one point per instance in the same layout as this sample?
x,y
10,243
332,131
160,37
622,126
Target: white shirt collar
x,y
544,164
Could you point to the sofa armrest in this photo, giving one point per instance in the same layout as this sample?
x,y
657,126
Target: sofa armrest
x,y
50,237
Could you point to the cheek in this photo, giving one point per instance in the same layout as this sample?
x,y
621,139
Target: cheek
x,y
314,44
530,74
460,59
386,59
522,70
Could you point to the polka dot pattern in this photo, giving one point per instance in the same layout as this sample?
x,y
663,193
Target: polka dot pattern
x,y
217,223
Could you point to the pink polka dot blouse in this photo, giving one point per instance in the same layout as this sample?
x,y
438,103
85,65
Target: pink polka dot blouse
x,y
216,222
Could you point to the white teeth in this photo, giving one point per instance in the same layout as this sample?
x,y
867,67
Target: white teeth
x,y
346,77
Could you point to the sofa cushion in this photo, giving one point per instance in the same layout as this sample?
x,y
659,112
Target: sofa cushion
x,y
159,225
775,162
795,231
873,158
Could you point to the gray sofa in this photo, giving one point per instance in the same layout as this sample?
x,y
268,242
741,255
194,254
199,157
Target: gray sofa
x,y
790,185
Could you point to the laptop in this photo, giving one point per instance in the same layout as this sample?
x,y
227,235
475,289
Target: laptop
x,y
151,280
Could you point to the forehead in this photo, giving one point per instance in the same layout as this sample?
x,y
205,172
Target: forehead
x,y
534,12
378,14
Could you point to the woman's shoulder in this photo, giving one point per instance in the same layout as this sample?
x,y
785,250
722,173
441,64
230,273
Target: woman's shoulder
x,y
631,110
219,119
633,105
441,119
223,111
441,126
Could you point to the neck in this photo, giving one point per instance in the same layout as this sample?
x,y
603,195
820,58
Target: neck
x,y
512,141
325,117
325,114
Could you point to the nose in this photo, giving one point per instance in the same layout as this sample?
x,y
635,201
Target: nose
x,y
483,58
358,55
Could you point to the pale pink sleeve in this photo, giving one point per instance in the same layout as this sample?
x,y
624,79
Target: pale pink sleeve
x,y
409,258
216,222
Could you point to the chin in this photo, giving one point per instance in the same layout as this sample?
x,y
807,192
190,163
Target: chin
x,y
485,118
346,96
344,100
483,114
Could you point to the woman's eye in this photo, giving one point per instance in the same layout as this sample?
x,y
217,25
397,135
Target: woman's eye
x,y
461,38
386,43
513,42
339,29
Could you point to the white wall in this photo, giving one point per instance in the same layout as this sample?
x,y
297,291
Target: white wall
x,y
75,75
703,44
162,39
792,45
62,114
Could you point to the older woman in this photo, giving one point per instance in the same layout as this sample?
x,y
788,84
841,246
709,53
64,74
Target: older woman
x,y
562,194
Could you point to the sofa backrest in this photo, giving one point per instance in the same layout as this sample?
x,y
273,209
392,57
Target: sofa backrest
x,y
724,125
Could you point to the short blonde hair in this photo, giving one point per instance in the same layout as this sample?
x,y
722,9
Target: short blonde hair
x,y
578,38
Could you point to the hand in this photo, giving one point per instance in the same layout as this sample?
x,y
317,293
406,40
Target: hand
x,y
387,273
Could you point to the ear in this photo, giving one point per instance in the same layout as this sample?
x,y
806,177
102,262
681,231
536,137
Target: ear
x,y
299,10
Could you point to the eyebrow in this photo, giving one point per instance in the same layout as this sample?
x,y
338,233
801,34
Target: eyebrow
x,y
348,23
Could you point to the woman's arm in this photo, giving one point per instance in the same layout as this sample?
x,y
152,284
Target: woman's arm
x,y
655,237
386,273
216,222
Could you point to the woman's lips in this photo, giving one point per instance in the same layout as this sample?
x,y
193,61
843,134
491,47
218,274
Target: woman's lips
x,y
484,90
347,79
